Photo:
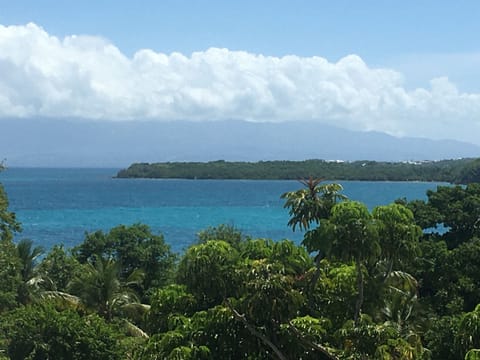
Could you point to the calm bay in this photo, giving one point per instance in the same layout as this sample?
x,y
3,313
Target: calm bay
x,y
57,206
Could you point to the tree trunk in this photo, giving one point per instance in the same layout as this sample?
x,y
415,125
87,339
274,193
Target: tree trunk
x,y
358,305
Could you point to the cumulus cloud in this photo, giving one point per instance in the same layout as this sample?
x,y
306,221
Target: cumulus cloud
x,y
90,78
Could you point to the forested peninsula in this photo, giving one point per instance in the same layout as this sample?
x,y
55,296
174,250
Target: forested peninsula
x,y
459,171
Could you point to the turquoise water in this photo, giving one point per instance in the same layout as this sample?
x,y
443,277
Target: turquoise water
x,y
57,206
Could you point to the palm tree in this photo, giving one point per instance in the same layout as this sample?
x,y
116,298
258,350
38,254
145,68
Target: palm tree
x,y
401,300
312,203
399,323
99,288
28,256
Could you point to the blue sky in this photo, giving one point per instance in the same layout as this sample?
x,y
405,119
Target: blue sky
x,y
376,30
410,62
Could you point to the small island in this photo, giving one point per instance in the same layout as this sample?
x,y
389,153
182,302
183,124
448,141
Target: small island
x,y
458,171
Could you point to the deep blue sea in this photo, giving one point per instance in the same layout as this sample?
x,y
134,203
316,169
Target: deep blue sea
x,y
57,206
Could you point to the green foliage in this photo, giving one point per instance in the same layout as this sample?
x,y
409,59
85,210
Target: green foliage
x,y
133,247
373,291
172,346
267,289
59,268
169,303
270,293
10,278
99,287
316,329
473,354
225,337
41,332
468,335
459,210
227,233
367,340
312,203
256,249
302,335
352,236
293,258
470,173
336,292
440,335
397,233
425,216
28,256
375,242
454,171
466,268
272,285
10,263
400,349
208,271
400,298
359,340
8,221
354,233
450,279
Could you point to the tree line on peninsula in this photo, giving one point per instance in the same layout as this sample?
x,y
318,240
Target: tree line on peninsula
x,y
459,171
400,281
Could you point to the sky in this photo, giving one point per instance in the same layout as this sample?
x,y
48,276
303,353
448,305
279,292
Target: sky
x,y
407,68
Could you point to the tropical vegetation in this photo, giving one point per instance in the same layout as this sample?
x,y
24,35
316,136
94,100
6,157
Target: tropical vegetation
x,y
459,171
400,281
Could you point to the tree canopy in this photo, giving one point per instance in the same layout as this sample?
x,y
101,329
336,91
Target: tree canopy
x,y
399,281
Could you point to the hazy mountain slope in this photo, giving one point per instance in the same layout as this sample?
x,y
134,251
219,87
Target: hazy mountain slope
x,y
39,142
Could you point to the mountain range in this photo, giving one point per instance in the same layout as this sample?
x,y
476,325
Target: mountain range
x,y
75,143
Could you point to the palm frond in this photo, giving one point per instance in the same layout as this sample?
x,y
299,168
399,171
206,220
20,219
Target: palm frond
x,y
63,299
133,330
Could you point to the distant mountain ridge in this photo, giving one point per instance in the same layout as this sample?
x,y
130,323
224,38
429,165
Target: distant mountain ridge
x,y
63,143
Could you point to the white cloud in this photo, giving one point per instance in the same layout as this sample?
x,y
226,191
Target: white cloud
x,y
88,77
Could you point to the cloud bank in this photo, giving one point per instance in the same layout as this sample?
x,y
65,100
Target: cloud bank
x,y
88,77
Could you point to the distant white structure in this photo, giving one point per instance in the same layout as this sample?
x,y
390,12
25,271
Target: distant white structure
x,y
335,161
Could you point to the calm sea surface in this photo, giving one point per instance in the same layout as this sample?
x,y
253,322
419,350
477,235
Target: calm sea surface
x,y
57,206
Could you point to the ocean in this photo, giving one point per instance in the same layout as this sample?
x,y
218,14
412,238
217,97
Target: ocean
x,y
58,206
